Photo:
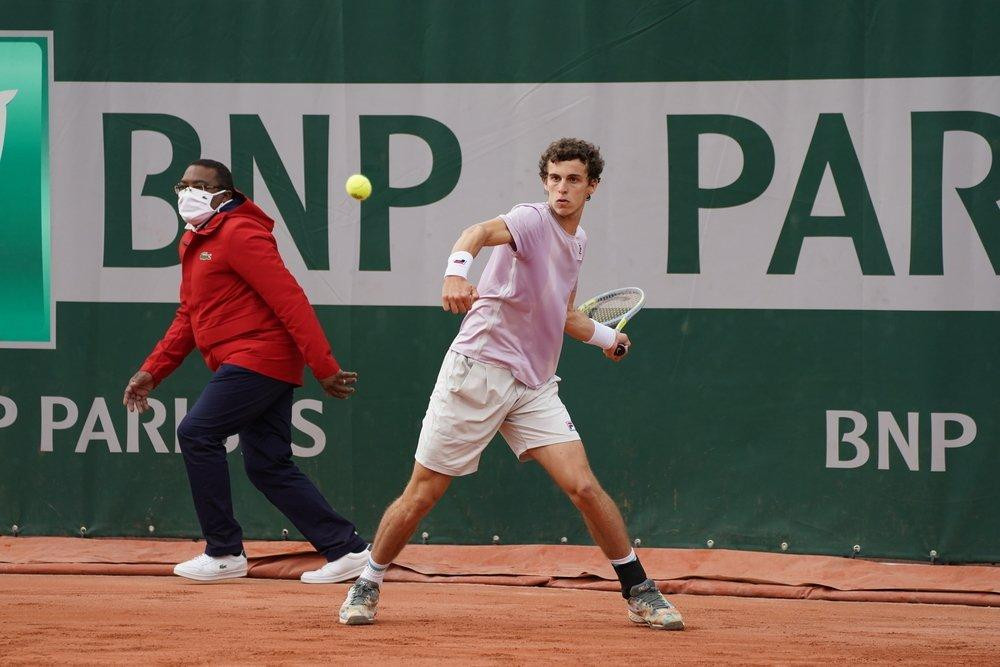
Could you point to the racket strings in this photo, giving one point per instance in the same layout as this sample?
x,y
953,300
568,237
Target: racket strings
x,y
613,308
603,313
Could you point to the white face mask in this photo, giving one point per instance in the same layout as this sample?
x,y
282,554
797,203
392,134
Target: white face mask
x,y
195,206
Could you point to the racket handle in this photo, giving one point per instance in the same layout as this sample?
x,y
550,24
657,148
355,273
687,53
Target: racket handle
x,y
621,349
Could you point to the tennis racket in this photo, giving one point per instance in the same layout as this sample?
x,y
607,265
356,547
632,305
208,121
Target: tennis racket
x,y
614,309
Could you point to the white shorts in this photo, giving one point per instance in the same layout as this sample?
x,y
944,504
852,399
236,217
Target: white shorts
x,y
471,401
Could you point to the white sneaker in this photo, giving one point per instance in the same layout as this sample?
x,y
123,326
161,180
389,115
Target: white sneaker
x,y
343,569
213,568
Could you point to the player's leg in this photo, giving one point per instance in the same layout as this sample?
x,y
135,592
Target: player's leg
x,y
468,403
567,464
398,523
267,456
233,398
539,426
402,517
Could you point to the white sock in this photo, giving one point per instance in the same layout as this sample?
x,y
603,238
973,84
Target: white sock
x,y
375,572
627,559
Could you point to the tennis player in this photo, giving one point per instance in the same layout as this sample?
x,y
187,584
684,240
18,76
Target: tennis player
x,y
499,375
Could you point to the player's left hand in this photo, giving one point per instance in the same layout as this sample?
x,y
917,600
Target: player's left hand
x,y
622,340
458,294
340,385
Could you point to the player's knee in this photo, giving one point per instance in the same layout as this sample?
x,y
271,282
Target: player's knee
x,y
584,491
420,504
421,500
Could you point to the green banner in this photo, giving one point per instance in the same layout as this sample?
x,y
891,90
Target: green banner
x,y
717,428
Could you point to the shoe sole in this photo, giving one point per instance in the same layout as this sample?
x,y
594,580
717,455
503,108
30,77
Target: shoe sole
x,y
347,576
212,577
676,625
357,620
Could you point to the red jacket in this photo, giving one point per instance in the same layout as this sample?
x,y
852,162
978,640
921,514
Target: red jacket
x,y
240,305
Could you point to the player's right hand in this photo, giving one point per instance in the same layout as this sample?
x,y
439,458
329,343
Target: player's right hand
x,y
457,294
340,385
136,397
622,340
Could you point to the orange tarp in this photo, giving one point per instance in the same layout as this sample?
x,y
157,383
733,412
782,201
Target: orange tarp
x,y
696,571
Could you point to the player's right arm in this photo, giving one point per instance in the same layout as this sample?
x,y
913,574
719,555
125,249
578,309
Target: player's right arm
x,y
457,293
168,354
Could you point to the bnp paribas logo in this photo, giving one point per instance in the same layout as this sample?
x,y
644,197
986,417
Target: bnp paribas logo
x,y
25,287
5,97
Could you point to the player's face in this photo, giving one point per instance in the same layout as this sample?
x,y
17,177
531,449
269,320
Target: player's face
x,y
568,186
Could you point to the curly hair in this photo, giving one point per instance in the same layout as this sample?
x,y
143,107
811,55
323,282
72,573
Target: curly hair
x,y
573,149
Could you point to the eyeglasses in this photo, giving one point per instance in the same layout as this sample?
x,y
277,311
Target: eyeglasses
x,y
197,185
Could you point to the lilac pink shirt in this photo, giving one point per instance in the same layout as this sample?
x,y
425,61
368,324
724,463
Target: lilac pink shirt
x,y
518,320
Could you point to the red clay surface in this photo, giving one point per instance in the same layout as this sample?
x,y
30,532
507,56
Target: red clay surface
x,y
140,619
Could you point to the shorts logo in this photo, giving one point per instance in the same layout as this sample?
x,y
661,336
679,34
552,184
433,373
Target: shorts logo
x,y
205,256
570,426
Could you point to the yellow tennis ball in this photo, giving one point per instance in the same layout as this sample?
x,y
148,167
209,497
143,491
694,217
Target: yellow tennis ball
x,y
358,187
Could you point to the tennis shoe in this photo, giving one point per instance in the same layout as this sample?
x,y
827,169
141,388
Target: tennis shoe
x,y
344,568
213,568
647,605
361,604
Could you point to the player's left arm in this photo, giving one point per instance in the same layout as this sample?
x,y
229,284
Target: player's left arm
x,y
580,327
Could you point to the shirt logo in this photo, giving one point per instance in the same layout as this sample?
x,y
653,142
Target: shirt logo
x,y
205,256
570,426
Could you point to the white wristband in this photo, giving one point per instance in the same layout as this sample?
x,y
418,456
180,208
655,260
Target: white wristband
x,y
604,336
459,264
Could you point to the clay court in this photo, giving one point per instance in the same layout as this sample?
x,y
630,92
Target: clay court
x,y
98,619
430,615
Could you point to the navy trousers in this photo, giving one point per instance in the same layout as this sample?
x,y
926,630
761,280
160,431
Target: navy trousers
x,y
259,409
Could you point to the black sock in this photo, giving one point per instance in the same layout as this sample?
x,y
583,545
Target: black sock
x,y
630,574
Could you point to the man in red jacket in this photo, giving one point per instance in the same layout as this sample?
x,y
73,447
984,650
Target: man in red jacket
x,y
255,328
